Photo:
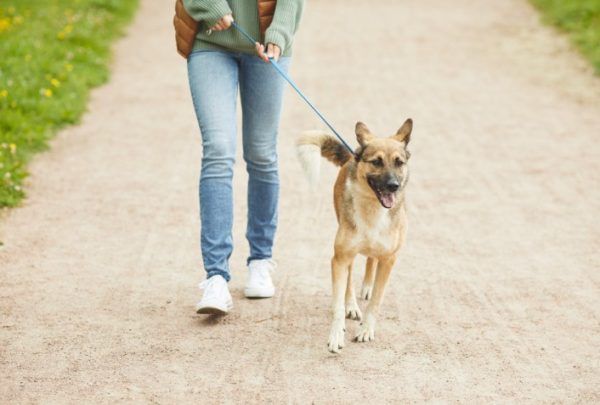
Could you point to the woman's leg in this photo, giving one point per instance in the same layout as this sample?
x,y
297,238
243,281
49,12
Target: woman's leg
x,y
213,78
261,91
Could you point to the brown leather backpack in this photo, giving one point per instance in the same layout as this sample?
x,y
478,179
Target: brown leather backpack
x,y
186,27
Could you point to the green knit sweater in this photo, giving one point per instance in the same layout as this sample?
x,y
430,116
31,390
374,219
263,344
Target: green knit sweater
x,y
245,13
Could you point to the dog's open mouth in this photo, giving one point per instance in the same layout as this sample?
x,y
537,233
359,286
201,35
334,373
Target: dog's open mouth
x,y
386,198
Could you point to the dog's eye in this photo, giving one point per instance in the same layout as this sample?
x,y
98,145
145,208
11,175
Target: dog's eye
x,y
398,162
377,162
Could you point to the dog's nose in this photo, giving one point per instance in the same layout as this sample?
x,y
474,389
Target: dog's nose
x,y
392,185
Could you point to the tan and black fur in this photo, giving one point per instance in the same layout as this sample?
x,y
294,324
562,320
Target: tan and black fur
x,y
369,205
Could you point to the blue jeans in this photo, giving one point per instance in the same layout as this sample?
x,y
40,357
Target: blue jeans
x,y
214,78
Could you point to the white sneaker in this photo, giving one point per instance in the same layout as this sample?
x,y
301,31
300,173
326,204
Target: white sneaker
x,y
259,283
216,298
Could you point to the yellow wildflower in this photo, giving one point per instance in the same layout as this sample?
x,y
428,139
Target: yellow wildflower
x,y
46,92
18,20
3,93
11,10
4,24
13,148
55,82
65,31
68,67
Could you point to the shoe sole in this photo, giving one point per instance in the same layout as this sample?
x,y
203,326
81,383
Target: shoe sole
x,y
212,311
255,293
214,308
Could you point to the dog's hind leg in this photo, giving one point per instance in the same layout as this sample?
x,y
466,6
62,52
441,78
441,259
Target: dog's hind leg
x,y
352,309
339,275
367,286
366,331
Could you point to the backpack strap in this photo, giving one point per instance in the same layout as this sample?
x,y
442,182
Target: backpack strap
x,y
266,10
185,29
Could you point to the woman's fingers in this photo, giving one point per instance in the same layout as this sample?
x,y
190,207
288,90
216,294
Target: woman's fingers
x,y
227,20
219,26
260,50
223,23
273,51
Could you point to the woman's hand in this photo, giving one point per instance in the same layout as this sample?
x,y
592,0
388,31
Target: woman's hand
x,y
223,23
273,51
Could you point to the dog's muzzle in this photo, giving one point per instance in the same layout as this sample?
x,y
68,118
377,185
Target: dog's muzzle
x,y
392,186
385,189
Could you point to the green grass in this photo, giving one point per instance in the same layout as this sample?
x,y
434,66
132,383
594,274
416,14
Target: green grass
x,y
580,19
51,53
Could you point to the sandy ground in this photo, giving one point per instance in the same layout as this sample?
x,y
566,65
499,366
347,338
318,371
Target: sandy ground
x,y
496,297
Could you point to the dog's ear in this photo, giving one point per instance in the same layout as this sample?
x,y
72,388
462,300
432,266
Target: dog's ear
x,y
363,135
403,134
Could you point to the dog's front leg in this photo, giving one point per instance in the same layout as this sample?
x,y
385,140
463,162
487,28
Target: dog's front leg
x,y
339,276
366,330
352,309
367,287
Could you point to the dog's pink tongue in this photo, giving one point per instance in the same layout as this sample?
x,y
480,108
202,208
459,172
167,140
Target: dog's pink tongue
x,y
387,199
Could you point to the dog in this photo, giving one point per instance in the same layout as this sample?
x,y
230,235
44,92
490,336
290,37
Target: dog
x,y
371,215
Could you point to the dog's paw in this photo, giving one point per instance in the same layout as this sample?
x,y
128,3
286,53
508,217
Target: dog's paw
x,y
336,337
366,332
366,292
353,311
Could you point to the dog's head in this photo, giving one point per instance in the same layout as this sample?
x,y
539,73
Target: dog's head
x,y
382,162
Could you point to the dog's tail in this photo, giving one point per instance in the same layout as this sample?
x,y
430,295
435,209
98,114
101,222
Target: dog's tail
x,y
312,145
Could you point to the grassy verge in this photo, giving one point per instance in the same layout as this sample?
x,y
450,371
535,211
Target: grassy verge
x,y
51,53
580,19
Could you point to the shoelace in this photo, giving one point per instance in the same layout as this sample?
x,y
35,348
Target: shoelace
x,y
261,273
263,270
205,283
273,265
271,268
210,293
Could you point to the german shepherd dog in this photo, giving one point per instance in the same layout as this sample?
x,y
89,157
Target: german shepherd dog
x,y
369,205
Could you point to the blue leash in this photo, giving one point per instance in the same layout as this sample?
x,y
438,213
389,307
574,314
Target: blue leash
x,y
295,87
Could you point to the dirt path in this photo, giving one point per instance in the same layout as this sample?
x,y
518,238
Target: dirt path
x,y
496,298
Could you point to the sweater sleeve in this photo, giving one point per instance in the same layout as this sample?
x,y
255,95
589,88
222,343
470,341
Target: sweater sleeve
x,y
285,23
207,11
